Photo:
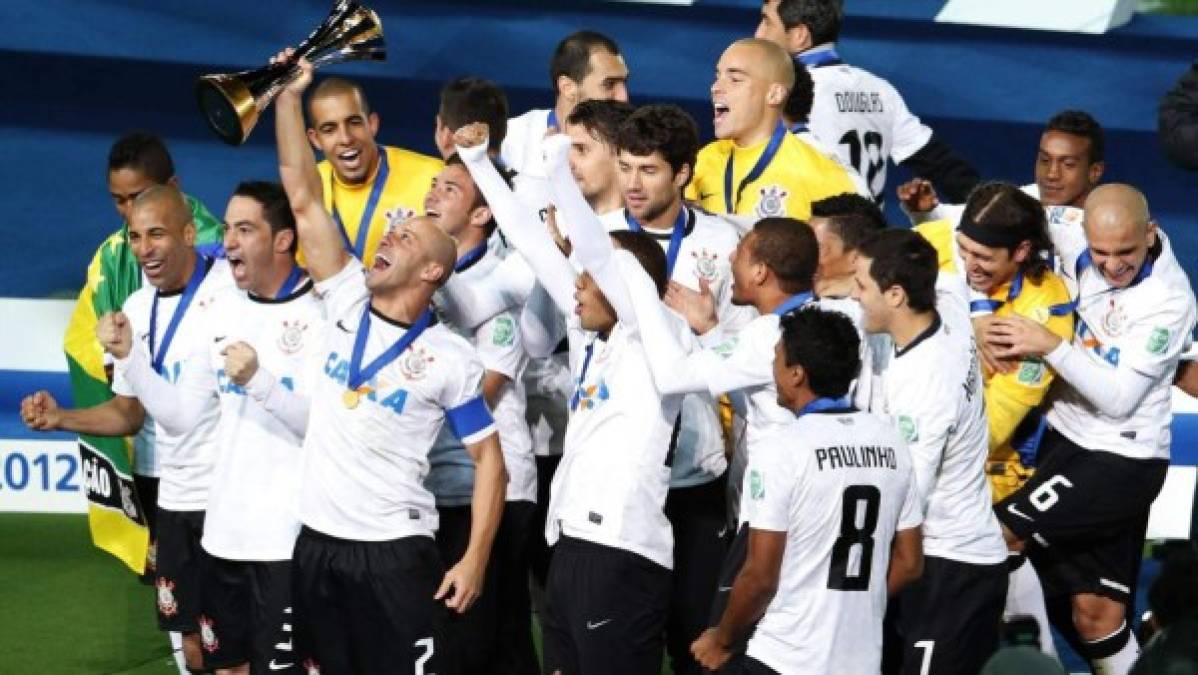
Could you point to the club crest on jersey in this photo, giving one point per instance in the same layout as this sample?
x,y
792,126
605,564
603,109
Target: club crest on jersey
x,y
291,340
397,215
1114,320
414,364
771,201
706,267
310,667
167,605
207,635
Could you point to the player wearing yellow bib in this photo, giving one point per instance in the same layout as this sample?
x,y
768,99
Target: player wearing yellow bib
x,y
367,186
999,248
757,168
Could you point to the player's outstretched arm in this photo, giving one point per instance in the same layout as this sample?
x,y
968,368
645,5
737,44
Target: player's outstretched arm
x,y
906,560
751,594
519,224
118,416
464,581
323,247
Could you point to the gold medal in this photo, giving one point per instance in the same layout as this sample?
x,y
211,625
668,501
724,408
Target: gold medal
x,y
351,398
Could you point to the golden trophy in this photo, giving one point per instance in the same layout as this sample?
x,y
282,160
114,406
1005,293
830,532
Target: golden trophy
x,y
232,102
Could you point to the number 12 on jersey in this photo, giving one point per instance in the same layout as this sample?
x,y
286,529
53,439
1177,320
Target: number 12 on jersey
x,y
856,536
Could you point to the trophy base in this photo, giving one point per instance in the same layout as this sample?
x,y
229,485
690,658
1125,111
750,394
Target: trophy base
x,y
228,107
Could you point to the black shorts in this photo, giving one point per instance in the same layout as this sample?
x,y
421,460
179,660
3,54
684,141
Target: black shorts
x,y
146,488
698,518
246,615
607,610
1083,516
949,620
180,565
366,607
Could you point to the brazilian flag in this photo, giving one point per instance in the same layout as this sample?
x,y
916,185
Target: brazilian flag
x,y
116,517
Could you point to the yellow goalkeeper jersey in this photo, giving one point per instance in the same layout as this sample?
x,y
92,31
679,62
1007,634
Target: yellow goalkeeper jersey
x,y
795,175
406,176
1010,396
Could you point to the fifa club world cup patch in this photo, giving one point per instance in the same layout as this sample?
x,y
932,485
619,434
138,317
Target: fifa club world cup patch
x,y
1158,341
756,485
908,429
207,635
167,605
771,201
1031,372
505,331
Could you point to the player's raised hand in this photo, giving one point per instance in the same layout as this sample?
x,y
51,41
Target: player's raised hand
x,y
708,651
555,232
241,362
302,79
472,135
918,195
40,412
465,579
115,334
1016,337
697,307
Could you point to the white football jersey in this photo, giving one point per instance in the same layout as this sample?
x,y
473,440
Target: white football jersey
x,y
704,253
1145,327
365,463
839,483
933,390
521,152
252,502
185,461
862,118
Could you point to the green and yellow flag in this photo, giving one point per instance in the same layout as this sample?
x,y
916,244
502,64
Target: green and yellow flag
x,y
116,516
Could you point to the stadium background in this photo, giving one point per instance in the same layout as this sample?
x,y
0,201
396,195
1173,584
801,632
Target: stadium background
x,y
76,73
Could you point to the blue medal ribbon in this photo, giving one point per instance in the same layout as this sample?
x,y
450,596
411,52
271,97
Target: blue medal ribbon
x,y
798,128
290,282
582,377
820,56
771,149
472,256
824,403
552,121
157,357
358,374
794,302
358,247
676,235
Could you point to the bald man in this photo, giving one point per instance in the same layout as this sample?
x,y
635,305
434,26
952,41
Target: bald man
x,y
167,318
1081,518
369,587
757,168
368,187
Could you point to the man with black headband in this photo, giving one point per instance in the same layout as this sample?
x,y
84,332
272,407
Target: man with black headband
x,y
1081,518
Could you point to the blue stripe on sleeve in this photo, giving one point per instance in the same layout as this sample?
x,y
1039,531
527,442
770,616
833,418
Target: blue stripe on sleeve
x,y
469,418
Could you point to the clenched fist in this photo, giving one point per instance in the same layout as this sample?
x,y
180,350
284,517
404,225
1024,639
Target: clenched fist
x,y
115,334
471,135
40,412
241,362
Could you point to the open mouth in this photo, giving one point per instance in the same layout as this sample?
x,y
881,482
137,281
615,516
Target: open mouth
x,y
350,158
381,262
152,267
721,111
236,264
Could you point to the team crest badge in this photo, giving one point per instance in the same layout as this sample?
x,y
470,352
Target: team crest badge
x,y
310,667
167,605
396,216
1113,322
127,504
292,338
771,201
705,265
207,635
414,365
152,556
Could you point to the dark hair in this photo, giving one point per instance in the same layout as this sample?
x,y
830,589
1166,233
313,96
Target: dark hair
x,y
666,129
276,210
143,152
572,57
905,259
479,198
789,249
335,86
648,253
1080,123
1174,594
851,217
826,345
801,97
822,17
473,99
602,118
1008,214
